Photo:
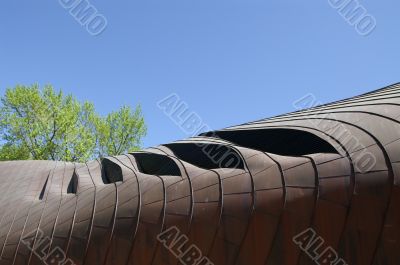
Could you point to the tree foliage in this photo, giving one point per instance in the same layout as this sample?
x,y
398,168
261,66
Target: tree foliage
x,y
45,124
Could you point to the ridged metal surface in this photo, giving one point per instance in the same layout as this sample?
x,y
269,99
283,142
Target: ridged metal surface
x,y
240,194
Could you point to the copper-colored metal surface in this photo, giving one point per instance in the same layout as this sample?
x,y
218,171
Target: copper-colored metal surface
x,y
240,195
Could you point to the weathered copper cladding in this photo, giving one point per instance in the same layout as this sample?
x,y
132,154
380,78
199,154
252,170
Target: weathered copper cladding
x,y
240,195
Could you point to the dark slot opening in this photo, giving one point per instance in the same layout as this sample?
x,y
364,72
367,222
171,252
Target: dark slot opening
x,y
43,189
156,164
73,184
287,142
208,156
110,172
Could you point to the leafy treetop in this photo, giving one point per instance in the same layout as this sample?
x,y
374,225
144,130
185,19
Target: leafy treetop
x,y
44,124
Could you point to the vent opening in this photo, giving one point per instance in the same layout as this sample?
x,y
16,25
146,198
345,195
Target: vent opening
x,y
288,142
206,155
110,172
156,164
43,191
73,184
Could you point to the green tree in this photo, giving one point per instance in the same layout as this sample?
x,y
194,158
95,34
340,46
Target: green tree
x,y
120,131
44,124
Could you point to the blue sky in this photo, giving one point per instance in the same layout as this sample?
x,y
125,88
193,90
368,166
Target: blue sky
x,y
229,61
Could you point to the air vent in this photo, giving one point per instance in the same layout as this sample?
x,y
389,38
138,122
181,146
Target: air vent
x,y
73,184
110,172
156,164
287,142
208,156
43,189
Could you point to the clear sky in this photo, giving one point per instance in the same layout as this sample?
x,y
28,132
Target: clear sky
x,y
230,61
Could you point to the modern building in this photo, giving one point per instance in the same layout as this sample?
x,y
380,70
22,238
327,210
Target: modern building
x,y
317,186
